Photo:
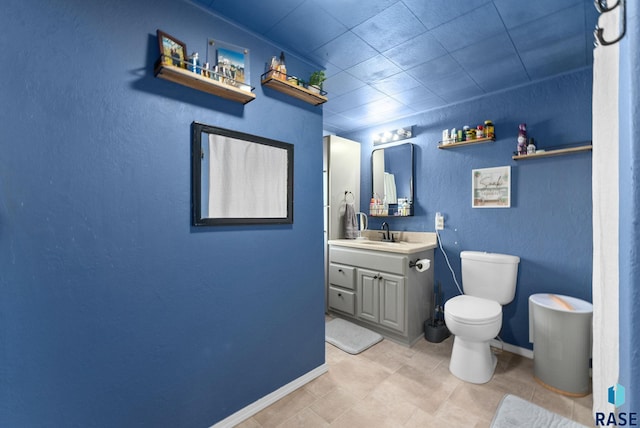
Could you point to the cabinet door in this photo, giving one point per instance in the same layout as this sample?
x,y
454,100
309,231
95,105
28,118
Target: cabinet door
x,y
367,300
392,301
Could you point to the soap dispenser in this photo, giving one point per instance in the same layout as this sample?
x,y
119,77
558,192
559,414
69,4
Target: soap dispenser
x,y
406,208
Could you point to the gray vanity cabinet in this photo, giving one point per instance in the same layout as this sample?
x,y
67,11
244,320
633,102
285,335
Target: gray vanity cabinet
x,y
380,298
378,290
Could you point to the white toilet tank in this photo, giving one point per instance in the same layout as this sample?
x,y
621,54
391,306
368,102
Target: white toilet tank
x,y
489,275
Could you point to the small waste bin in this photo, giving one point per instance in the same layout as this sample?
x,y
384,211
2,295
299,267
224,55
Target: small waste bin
x,y
560,330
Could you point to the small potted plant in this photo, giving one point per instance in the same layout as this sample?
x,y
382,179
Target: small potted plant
x,y
315,81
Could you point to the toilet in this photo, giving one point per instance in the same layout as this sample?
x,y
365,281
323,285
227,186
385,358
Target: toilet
x,y
474,318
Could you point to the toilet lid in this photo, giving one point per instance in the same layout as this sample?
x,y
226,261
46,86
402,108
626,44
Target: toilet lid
x,y
472,310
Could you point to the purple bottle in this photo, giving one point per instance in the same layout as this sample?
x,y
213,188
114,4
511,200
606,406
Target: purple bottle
x,y
522,139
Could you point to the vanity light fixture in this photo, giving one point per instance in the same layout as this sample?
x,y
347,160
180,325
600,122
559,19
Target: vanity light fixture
x,y
393,136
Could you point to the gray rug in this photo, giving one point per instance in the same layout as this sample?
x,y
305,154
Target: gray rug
x,y
516,412
349,337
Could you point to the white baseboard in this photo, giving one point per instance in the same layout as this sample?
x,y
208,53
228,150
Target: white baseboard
x,y
524,352
253,408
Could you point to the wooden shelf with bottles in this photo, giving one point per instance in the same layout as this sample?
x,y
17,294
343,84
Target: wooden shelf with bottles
x,y
555,152
214,83
273,79
443,145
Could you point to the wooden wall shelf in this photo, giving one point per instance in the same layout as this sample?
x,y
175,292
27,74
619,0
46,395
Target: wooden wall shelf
x,y
292,89
554,152
442,145
205,84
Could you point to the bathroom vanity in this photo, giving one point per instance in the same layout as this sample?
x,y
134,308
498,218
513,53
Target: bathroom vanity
x,y
372,284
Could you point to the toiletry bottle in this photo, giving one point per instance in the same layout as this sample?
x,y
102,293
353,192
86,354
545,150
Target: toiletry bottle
x,y
273,68
489,129
372,207
531,147
467,133
282,67
194,63
522,139
471,134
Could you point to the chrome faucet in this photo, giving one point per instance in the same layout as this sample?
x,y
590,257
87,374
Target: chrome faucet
x,y
386,235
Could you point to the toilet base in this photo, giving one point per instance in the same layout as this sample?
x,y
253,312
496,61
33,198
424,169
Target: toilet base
x,y
472,362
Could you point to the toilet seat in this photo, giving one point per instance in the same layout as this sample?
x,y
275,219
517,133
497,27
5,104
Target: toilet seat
x,y
473,310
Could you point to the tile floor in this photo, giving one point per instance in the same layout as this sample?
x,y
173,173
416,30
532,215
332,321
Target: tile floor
x,y
390,385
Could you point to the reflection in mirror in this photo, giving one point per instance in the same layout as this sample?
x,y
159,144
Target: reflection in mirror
x,y
363,221
240,178
392,173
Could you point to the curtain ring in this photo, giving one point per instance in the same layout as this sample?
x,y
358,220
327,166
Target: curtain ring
x,y
602,7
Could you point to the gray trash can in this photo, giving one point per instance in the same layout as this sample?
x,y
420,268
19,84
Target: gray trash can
x,y
560,329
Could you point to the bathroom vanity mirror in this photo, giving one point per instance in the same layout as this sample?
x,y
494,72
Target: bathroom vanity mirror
x,y
239,178
392,173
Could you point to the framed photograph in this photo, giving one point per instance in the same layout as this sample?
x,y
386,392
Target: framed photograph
x,y
172,50
239,178
491,187
232,62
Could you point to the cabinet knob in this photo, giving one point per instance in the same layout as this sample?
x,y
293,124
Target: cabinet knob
x,y
375,277
339,270
339,294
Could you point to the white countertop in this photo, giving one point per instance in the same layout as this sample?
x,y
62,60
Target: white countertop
x,y
406,242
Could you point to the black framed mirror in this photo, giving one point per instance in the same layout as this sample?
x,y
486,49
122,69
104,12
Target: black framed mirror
x,y
392,171
239,178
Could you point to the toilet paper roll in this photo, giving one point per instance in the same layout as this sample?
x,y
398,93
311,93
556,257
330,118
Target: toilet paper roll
x,y
423,264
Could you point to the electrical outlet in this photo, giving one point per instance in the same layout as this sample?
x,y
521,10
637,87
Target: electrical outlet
x,y
439,221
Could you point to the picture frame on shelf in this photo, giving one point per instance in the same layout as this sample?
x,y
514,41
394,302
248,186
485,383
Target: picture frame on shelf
x,y
231,62
491,187
172,51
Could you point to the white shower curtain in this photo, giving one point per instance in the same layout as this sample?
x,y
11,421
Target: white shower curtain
x,y
605,180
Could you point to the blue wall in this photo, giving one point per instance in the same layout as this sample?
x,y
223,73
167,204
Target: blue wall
x,y
629,205
114,311
549,223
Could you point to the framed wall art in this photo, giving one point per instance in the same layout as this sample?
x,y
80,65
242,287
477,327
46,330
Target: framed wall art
x,y
231,62
240,178
491,187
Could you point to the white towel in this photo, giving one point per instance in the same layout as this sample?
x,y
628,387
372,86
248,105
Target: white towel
x,y
390,196
350,222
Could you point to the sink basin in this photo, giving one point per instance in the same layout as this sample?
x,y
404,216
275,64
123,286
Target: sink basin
x,y
419,241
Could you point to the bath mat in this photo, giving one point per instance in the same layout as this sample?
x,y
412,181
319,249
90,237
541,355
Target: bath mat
x,y
516,412
349,337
